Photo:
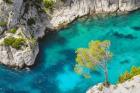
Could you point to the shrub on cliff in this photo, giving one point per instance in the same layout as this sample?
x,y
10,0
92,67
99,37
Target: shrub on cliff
x,y
13,30
3,23
18,43
14,42
124,77
8,1
128,75
48,4
9,41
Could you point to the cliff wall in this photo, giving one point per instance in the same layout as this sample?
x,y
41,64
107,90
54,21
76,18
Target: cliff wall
x,y
31,22
70,9
129,86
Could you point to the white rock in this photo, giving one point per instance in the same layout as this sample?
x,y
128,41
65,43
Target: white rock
x,y
20,13
80,8
130,86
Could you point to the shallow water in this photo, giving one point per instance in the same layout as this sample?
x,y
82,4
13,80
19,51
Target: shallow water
x,y
54,73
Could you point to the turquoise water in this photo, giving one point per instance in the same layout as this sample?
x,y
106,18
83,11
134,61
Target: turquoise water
x,y
53,72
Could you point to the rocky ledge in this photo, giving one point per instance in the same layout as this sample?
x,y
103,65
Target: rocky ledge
x,y
130,86
69,10
22,22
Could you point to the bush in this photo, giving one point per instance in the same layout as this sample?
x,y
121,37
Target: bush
x,y
13,30
14,42
18,43
48,3
3,23
124,77
128,75
9,41
8,1
100,88
135,70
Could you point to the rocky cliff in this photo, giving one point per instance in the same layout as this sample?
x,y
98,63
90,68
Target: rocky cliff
x,y
22,22
70,9
20,19
130,86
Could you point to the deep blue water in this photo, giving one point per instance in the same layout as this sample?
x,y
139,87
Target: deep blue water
x,y
54,73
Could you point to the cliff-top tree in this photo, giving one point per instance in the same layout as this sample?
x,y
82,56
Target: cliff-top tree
x,y
97,54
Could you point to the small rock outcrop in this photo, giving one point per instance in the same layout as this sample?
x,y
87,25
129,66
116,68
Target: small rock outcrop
x,y
25,21
20,19
130,86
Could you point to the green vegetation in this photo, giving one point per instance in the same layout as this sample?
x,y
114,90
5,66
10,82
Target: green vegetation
x,y
3,23
9,41
8,1
128,75
13,30
48,4
14,42
100,88
97,54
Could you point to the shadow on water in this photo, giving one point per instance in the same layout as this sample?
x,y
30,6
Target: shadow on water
x,y
119,35
51,39
10,90
124,62
97,73
69,54
136,28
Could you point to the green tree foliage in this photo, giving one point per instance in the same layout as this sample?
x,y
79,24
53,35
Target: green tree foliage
x,y
14,42
3,23
13,30
8,1
128,75
48,3
97,54
9,41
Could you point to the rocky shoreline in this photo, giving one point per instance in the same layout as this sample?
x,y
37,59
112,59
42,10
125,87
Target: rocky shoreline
x,y
130,86
72,9
32,23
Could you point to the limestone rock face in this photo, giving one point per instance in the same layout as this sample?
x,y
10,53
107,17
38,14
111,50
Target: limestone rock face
x,y
17,58
71,9
31,22
130,86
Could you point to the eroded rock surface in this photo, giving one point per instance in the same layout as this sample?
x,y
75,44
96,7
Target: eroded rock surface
x,y
71,9
130,86
31,22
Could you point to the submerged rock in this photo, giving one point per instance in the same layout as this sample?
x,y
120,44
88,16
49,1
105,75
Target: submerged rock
x,y
136,28
128,36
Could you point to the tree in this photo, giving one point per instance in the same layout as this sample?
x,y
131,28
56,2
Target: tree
x,y
96,55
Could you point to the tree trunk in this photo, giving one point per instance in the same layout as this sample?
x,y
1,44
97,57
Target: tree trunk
x,y
106,75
